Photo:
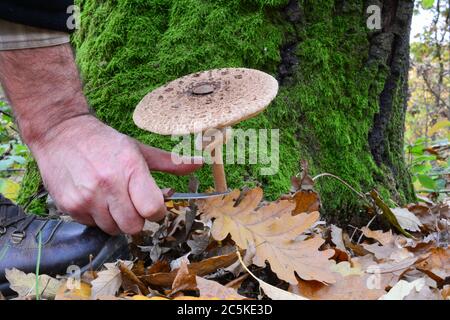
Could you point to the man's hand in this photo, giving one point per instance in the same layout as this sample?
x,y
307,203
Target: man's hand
x,y
101,177
96,174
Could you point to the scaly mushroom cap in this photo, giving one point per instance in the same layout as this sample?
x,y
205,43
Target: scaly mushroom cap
x,y
205,100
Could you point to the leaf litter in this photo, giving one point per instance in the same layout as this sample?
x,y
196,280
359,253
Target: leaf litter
x,y
240,246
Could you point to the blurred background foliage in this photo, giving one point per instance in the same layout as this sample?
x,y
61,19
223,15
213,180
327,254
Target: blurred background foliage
x,y
428,118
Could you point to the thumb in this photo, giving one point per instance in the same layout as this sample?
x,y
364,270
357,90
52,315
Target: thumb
x,y
160,160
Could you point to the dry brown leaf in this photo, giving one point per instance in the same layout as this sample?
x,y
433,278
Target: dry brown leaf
x,y
382,237
388,252
426,217
25,284
131,277
338,239
424,294
404,288
437,265
271,291
353,287
445,292
108,281
213,289
407,219
273,230
159,266
306,201
184,280
202,268
355,247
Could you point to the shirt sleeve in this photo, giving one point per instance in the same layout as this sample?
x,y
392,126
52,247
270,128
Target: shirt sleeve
x,y
19,36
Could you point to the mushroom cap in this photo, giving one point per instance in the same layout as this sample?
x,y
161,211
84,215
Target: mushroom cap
x,y
205,100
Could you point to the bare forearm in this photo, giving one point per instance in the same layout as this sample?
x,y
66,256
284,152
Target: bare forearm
x,y
44,89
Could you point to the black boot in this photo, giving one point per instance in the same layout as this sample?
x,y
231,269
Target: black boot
x,y
63,244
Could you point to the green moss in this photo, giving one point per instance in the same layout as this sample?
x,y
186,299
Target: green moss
x,y
30,186
127,48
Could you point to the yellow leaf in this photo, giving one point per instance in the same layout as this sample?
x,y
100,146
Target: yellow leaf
x,y
438,126
273,231
9,188
81,292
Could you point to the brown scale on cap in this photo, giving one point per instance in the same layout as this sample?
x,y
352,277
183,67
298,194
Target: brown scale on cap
x,y
210,99
213,99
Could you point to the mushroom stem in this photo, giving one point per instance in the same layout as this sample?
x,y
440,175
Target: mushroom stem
x,y
220,182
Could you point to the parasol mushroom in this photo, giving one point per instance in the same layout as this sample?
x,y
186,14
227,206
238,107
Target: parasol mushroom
x,y
207,102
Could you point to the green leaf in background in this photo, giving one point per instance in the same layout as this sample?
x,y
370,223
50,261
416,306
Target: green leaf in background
x,y
417,150
20,150
421,169
427,4
424,157
427,182
18,159
5,164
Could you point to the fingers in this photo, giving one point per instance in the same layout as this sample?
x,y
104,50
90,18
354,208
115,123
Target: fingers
x,y
104,221
160,160
147,198
124,213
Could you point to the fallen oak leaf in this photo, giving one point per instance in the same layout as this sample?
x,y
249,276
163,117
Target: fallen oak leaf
x,y
352,287
306,201
437,264
388,252
184,279
424,294
212,289
25,284
425,215
407,219
403,288
271,291
273,231
201,268
382,237
128,274
108,281
338,239
445,292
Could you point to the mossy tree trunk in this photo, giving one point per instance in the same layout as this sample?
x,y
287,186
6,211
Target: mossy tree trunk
x,y
343,90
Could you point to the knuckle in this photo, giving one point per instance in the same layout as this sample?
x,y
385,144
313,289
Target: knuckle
x,y
103,179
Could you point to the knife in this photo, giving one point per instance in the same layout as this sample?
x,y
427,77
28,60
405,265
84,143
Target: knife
x,y
193,195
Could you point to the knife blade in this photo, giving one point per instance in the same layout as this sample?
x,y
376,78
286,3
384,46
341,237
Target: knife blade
x,y
193,195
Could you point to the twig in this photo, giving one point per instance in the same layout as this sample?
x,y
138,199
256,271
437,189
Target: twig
x,y
325,174
6,113
367,226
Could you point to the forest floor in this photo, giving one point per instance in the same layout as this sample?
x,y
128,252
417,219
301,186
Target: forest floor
x,y
239,246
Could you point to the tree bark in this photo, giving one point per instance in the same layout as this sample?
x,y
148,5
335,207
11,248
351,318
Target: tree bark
x,y
343,92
